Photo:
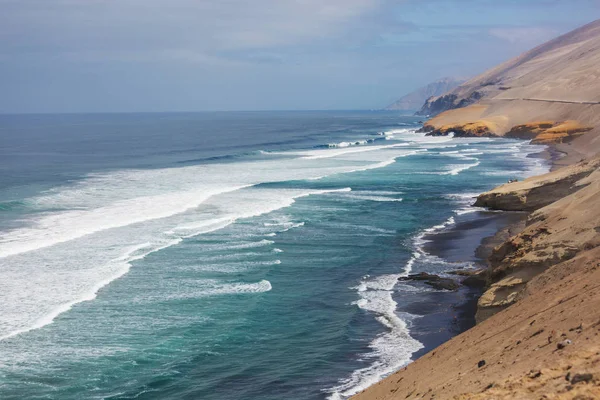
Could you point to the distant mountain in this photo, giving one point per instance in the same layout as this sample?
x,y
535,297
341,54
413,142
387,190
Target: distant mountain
x,y
564,69
414,101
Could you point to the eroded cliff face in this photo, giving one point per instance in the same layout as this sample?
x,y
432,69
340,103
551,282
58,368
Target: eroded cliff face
x,y
538,191
546,345
565,221
548,132
542,132
438,104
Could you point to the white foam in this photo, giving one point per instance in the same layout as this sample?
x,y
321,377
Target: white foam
x,y
348,144
208,288
456,169
68,273
436,228
390,350
329,153
80,239
393,349
250,245
229,267
465,200
370,196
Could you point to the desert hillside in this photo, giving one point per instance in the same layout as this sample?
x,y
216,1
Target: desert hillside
x,y
550,94
538,332
538,320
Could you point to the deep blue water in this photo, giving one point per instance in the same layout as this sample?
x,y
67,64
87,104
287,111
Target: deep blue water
x,y
222,255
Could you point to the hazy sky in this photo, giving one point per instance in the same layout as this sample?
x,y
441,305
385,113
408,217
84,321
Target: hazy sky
x,y
190,55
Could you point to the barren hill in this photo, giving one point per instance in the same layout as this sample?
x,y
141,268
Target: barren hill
x,y
552,90
538,331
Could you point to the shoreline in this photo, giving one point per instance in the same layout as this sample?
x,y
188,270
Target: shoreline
x,y
444,315
494,357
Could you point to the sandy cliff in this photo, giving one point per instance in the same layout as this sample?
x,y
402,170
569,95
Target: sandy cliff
x,y
538,335
547,346
550,94
565,222
538,331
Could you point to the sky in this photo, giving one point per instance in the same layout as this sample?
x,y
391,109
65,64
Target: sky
x,y
203,55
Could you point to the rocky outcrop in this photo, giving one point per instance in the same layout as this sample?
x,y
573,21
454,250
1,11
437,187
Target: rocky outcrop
x,y
548,132
540,191
414,100
436,105
544,132
435,281
471,129
473,278
565,222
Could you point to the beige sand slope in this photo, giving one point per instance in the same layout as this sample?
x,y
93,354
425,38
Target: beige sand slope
x,y
538,332
554,83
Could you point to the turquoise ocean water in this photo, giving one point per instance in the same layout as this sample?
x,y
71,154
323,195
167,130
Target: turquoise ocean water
x,y
222,255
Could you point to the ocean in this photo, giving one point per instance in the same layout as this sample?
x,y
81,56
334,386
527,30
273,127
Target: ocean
x,y
225,255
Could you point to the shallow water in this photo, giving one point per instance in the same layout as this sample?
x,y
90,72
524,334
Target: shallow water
x,y
222,255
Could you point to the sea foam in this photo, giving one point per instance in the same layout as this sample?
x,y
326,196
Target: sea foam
x,y
83,235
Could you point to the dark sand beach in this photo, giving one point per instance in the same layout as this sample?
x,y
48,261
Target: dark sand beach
x,y
445,314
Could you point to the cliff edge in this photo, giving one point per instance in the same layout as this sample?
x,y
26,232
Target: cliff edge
x,y
538,331
550,94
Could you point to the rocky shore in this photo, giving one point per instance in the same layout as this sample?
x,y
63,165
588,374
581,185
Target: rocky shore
x,y
538,319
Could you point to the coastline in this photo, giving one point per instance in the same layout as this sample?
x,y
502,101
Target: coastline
x,y
444,315
534,346
537,334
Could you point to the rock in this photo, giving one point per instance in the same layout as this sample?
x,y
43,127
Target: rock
x,y
435,105
474,278
581,378
435,281
534,374
475,281
498,296
563,344
479,128
553,234
544,132
537,192
481,364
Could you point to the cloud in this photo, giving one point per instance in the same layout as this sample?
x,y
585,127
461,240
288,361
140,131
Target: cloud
x,y
172,27
92,55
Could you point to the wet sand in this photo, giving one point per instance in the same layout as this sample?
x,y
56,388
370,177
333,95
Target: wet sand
x,y
445,314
